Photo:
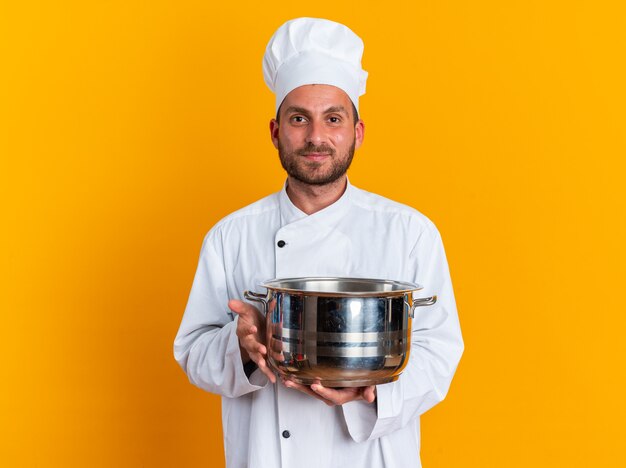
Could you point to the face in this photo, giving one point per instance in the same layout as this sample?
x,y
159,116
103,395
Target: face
x,y
317,136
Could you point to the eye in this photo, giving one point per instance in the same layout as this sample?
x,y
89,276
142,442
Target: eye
x,y
334,119
298,119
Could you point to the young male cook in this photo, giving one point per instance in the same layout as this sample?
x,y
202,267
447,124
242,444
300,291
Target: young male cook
x,y
317,225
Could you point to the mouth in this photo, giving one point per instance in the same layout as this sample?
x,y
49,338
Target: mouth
x,y
316,156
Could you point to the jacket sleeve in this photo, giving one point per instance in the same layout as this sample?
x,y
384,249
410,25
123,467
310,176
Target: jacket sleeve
x,y
206,346
436,348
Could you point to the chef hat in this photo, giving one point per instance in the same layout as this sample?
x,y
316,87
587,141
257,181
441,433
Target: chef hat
x,y
314,51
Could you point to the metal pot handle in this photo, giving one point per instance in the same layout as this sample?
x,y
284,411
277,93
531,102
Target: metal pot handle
x,y
257,297
424,301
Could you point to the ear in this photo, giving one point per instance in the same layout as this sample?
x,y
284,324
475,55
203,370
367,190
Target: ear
x,y
274,132
359,134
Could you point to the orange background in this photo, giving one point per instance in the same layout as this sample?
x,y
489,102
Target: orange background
x,y
127,129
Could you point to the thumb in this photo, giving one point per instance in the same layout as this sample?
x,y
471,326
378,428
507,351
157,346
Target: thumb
x,y
241,308
237,306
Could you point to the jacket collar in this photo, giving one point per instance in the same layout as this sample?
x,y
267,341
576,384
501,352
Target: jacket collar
x,y
329,216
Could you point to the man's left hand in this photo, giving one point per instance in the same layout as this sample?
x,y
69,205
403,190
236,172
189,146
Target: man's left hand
x,y
335,396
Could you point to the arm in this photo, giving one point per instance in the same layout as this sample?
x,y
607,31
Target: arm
x,y
436,348
207,345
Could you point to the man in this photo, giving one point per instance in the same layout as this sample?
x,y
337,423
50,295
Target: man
x,y
317,225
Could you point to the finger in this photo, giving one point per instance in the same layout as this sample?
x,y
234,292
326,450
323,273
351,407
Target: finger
x,y
236,306
262,365
253,346
277,356
251,343
369,394
307,390
338,396
261,349
243,330
242,309
326,393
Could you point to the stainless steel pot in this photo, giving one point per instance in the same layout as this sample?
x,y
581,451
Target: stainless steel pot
x,y
342,332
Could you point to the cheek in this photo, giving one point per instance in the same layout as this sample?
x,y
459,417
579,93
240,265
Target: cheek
x,y
343,137
289,138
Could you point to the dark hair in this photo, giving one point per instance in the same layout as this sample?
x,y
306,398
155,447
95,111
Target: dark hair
x,y
355,113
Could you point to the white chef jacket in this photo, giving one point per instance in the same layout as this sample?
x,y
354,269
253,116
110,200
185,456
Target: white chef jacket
x,y
360,235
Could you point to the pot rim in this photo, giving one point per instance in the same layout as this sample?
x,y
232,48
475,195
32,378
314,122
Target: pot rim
x,y
401,287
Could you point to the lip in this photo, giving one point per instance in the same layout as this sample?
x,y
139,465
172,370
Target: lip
x,y
316,156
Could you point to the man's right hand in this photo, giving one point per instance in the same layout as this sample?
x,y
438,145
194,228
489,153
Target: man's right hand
x,y
251,333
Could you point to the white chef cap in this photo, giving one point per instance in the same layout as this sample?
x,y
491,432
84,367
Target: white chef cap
x,y
314,51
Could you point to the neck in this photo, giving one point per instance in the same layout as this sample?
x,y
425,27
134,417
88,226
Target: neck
x,y
313,198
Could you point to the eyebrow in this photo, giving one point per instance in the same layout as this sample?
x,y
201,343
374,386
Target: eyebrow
x,y
302,110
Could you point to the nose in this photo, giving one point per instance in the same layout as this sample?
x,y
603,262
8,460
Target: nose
x,y
315,134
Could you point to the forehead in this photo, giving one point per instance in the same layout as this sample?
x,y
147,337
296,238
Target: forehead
x,y
317,98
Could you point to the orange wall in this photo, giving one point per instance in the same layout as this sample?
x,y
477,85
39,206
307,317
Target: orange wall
x,y
127,129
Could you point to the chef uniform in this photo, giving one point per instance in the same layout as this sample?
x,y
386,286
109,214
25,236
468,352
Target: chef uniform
x,y
360,235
